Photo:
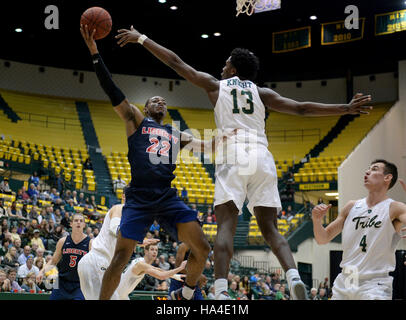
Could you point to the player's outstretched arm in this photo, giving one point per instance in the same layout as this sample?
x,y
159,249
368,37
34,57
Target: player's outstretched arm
x,y
130,114
274,101
158,273
54,261
325,235
200,79
401,209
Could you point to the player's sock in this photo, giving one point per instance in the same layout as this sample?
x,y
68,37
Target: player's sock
x,y
220,285
296,285
292,274
187,292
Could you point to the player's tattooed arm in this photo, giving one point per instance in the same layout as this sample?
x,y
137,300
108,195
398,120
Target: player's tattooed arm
x,y
274,101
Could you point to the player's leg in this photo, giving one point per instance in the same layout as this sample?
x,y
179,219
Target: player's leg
x,y
192,234
267,222
112,276
90,275
227,219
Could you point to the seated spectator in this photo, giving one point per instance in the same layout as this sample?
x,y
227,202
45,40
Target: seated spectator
x,y
33,193
12,275
37,240
96,231
184,195
163,286
75,198
242,294
39,255
58,204
29,283
4,187
322,294
163,264
50,228
33,214
209,218
17,245
5,284
13,211
39,264
119,183
93,201
232,290
34,179
24,211
27,267
208,270
57,216
87,165
11,258
155,226
5,244
42,215
54,194
156,234
14,234
69,206
67,196
22,259
25,196
313,294
82,200
66,220
2,209
289,213
44,194
211,295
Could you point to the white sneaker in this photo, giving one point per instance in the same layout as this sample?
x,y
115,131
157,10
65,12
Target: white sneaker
x,y
223,296
298,290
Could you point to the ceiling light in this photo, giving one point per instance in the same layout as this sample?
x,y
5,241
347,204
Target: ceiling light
x,y
337,198
18,30
217,34
204,36
174,8
161,1
331,194
313,18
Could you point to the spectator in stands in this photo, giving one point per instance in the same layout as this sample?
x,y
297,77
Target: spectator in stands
x,y
313,294
4,225
174,248
208,270
82,200
29,283
37,240
211,295
11,258
58,204
5,244
119,183
17,245
33,214
163,286
184,195
22,259
58,183
232,290
5,285
242,294
322,294
24,211
325,286
12,276
163,264
93,202
25,196
96,231
67,196
237,279
245,283
69,207
54,194
66,220
75,197
171,261
50,228
275,278
4,187
87,165
39,264
33,193
34,179
154,226
27,267
57,216
42,215
279,295
13,211
14,234
2,209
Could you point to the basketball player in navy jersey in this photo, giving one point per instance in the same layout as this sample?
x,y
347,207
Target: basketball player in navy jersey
x,y
69,250
153,149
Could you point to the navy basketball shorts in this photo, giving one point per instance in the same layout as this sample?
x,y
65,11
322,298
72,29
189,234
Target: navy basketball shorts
x,y
67,291
142,208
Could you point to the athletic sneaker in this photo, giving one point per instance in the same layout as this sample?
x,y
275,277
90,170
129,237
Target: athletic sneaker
x,y
298,290
223,296
177,295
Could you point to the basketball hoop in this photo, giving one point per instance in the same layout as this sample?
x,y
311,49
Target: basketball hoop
x,y
250,6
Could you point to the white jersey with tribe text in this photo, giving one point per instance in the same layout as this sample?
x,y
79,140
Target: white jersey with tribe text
x,y
239,106
105,242
369,239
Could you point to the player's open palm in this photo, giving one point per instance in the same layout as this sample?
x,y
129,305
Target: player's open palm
x,y
127,36
88,36
320,211
357,104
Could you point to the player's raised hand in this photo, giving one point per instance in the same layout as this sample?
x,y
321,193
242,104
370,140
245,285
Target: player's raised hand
x,y
88,36
127,36
357,104
39,277
149,242
320,211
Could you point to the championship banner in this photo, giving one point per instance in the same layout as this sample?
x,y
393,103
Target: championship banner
x,y
390,22
336,32
291,40
314,186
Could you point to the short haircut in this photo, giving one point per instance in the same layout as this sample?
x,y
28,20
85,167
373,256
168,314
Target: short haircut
x,y
147,247
389,168
245,62
77,214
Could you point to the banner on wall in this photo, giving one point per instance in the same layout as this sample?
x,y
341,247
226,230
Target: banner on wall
x,y
291,40
336,32
390,22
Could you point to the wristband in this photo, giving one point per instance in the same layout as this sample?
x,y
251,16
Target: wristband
x,y
142,38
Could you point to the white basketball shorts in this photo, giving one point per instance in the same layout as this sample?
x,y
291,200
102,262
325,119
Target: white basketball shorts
x,y
368,288
252,176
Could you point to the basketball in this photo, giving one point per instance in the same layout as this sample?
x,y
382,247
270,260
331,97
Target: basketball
x,y
99,19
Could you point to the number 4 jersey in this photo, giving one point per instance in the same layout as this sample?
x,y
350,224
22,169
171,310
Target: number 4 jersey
x,y
369,239
239,106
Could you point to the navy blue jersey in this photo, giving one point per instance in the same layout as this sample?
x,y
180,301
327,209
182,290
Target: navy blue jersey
x,y
152,153
71,255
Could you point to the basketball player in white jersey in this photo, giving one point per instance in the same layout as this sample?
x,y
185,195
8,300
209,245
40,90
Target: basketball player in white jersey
x,y
370,230
93,265
240,104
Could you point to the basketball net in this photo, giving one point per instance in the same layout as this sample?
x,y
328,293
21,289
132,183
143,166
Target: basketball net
x,y
249,6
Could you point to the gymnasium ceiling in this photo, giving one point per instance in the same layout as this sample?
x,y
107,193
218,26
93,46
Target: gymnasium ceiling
x,y
181,30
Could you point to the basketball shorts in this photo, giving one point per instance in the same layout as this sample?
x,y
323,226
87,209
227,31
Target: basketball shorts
x,y
143,206
252,176
91,269
67,291
369,288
